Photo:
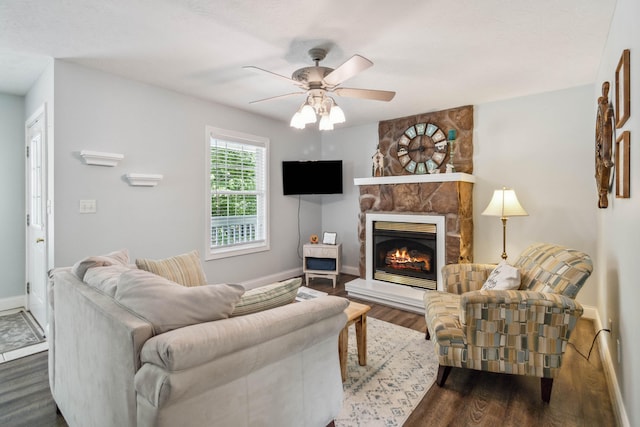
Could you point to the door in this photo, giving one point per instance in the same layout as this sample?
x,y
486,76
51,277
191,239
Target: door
x,y
36,195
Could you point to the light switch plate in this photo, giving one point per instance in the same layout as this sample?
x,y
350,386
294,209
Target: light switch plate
x,y
87,206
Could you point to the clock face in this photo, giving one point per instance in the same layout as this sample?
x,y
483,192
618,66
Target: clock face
x,y
422,148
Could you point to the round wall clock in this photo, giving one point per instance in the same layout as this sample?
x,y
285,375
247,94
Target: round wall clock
x,y
422,148
604,136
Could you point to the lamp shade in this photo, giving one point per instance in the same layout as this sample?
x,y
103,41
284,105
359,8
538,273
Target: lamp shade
x,y
308,114
336,114
504,203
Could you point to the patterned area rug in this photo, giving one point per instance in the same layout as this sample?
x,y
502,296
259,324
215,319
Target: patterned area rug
x,y
401,368
18,330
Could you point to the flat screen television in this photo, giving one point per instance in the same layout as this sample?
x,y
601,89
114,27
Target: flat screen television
x,y
312,177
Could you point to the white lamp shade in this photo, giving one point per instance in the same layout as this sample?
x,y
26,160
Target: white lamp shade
x,y
308,114
297,121
504,203
325,123
336,114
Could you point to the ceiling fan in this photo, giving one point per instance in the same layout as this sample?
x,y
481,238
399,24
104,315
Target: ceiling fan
x,y
317,82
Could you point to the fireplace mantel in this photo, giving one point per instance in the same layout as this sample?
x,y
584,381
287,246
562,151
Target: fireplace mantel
x,y
416,179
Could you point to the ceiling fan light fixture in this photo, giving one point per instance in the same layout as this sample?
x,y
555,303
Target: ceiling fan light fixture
x,y
297,121
325,123
318,81
308,114
336,114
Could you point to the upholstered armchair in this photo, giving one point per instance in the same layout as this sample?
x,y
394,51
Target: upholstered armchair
x,y
523,331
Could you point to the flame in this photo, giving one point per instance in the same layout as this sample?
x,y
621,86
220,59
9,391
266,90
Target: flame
x,y
402,259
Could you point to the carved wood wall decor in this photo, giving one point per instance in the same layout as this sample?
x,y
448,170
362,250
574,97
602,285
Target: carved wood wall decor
x,y
604,134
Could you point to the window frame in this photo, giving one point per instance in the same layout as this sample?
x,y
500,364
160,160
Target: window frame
x,y
241,248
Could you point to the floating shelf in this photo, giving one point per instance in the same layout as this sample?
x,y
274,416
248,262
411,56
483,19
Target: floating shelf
x,y
101,159
143,179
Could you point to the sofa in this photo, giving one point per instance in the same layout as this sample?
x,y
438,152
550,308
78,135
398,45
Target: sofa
x,y
511,319
129,347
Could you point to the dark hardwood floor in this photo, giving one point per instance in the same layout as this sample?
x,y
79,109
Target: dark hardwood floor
x,y
469,398
472,398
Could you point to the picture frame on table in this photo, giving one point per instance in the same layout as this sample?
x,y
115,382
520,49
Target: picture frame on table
x,y
622,165
329,238
623,89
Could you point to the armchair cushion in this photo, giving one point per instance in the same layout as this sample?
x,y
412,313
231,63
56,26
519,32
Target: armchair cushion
x,y
551,268
461,278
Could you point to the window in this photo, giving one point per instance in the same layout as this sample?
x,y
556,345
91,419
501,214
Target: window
x,y
237,197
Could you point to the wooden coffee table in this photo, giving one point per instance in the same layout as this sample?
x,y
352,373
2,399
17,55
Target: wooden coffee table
x,y
356,313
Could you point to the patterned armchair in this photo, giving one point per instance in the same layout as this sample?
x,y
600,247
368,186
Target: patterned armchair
x,y
524,331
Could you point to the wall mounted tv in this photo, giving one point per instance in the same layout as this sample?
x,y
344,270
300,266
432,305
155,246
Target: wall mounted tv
x,y
312,177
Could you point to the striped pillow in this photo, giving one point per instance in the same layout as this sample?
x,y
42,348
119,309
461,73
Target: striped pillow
x,y
267,297
184,269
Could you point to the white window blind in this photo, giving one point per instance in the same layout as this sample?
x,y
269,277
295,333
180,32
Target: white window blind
x,y
238,193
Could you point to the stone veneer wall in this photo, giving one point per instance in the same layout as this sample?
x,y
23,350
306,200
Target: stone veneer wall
x,y
453,199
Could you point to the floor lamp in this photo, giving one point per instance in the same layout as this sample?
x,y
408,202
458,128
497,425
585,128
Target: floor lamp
x,y
504,204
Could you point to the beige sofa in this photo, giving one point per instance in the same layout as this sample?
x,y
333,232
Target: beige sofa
x,y
111,366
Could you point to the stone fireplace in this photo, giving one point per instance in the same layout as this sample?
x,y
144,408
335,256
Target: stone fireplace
x,y
448,214
438,203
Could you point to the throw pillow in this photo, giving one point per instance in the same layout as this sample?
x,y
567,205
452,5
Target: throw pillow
x,y
503,277
184,269
167,305
266,297
120,257
105,278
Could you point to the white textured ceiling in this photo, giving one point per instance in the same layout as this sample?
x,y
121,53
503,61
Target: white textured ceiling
x,y
435,54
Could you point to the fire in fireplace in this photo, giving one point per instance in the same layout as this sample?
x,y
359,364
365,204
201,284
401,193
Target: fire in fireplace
x,y
405,253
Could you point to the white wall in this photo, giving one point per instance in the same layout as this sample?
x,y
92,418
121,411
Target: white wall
x,y
163,132
619,225
354,146
12,208
540,145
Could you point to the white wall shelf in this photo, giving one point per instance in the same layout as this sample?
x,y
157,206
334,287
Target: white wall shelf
x,y
143,179
99,158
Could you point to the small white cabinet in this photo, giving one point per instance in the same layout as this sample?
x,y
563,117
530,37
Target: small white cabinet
x,y
321,261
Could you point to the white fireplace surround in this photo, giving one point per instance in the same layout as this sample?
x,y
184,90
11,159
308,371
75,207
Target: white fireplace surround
x,y
400,296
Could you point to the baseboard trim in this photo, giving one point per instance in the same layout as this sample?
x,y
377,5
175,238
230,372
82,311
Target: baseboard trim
x,y
347,269
609,371
265,280
13,303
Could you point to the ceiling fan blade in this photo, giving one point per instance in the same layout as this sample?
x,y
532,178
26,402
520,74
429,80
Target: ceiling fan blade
x,y
348,69
277,97
377,95
295,82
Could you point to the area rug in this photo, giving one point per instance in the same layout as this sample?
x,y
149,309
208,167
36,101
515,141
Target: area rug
x,y
401,368
18,330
